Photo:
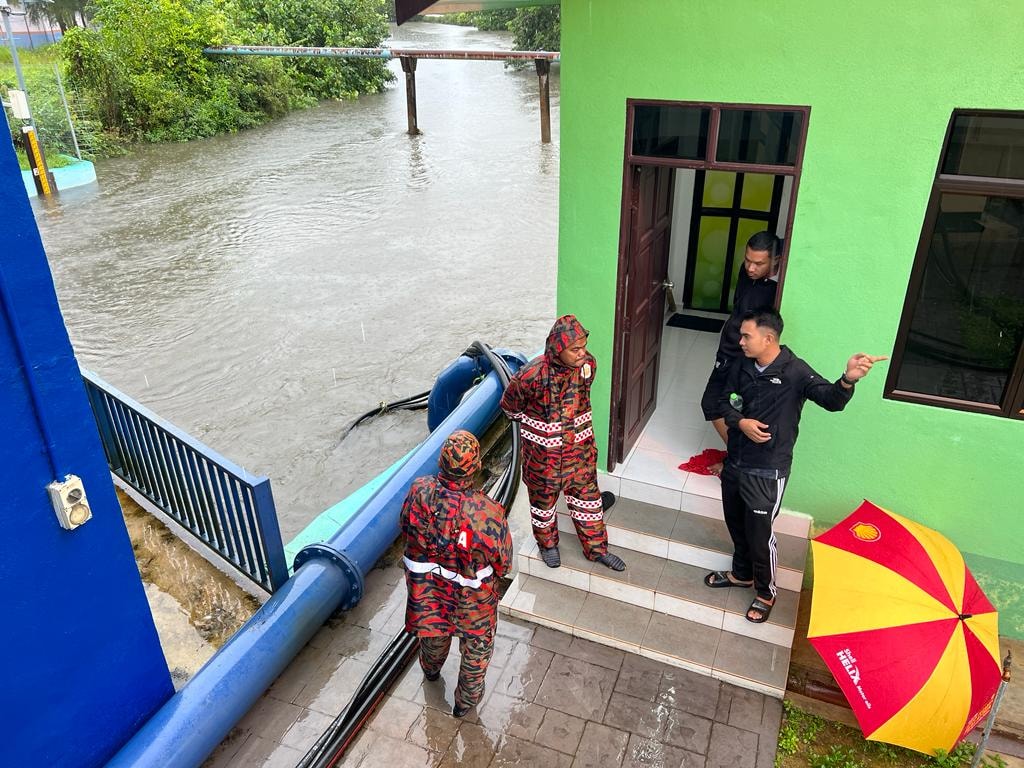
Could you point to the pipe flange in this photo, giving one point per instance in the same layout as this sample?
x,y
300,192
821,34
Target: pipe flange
x,y
342,561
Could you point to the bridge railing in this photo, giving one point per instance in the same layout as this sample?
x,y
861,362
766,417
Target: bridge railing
x,y
229,510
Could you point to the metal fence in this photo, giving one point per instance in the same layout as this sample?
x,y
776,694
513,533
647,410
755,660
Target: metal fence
x,y
231,511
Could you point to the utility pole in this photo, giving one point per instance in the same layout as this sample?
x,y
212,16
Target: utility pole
x,y
5,11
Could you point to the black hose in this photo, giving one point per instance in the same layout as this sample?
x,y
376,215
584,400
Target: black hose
x,y
333,742
411,403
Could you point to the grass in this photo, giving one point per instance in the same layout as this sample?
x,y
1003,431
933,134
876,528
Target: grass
x,y
809,741
52,160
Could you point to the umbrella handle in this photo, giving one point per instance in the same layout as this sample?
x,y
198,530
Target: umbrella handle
x,y
1007,663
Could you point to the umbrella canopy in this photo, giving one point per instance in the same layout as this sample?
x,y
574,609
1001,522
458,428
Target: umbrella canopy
x,y
904,628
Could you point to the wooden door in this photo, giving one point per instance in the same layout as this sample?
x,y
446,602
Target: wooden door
x,y
643,308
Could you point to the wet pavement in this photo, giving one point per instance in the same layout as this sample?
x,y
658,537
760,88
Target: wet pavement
x,y
551,700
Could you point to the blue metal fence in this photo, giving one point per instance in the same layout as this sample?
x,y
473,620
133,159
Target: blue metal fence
x,y
231,511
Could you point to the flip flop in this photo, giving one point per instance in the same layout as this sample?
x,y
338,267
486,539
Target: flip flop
x,y
761,608
721,580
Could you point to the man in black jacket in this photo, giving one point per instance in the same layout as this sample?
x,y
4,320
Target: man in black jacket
x,y
756,286
764,395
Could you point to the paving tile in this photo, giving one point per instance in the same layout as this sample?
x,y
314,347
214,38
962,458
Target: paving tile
x,y
690,692
576,688
502,650
643,518
687,581
688,731
648,753
554,602
754,660
636,716
524,672
303,733
270,718
394,717
771,717
640,677
302,669
379,602
222,756
398,753
607,618
440,694
551,639
594,653
560,731
359,749
258,752
516,753
684,640
472,747
731,747
602,747
792,551
641,570
700,531
511,716
332,692
746,709
434,730
517,629
355,642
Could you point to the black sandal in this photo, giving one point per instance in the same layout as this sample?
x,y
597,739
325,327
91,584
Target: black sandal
x,y
721,580
761,608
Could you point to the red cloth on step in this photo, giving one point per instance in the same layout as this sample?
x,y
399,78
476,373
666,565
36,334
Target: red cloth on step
x,y
700,463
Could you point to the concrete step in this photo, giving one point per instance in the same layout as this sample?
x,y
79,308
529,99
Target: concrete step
x,y
738,659
689,538
665,586
700,495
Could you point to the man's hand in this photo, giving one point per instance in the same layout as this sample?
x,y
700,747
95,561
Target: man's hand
x,y
754,430
857,367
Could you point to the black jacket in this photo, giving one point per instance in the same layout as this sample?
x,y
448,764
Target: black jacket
x,y
749,295
774,397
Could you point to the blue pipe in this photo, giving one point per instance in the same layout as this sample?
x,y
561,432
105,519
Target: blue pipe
x,y
327,577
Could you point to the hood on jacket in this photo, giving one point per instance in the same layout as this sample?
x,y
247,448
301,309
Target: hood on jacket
x,y
460,456
566,330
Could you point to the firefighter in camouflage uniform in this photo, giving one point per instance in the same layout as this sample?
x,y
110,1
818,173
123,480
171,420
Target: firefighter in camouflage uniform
x,y
550,398
457,544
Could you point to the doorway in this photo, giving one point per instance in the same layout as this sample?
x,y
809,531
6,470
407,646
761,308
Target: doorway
x,y
699,179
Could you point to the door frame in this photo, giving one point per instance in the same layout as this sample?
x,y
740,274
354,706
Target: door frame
x,y
616,426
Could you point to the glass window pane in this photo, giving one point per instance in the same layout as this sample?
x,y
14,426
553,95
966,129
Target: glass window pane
x,y
761,136
719,188
969,314
757,192
986,146
709,270
670,131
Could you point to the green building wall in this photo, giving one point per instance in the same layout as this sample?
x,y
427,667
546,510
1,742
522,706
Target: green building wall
x,y
881,80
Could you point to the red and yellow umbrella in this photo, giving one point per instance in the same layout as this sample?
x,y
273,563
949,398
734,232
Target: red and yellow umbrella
x,y
904,628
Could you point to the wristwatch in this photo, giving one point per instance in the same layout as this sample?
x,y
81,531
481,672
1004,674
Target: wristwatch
x,y
846,380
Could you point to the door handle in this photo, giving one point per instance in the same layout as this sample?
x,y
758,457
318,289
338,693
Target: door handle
x,y
668,284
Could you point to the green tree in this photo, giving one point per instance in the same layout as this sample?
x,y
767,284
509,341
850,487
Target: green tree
x,y
537,29
324,23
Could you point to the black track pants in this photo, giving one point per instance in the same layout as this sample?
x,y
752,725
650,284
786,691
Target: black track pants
x,y
751,503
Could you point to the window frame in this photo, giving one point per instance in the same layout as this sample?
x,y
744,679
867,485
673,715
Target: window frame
x,y
1012,405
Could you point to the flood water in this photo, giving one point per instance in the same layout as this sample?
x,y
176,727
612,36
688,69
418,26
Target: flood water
x,y
262,290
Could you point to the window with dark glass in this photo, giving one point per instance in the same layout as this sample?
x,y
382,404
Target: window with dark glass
x,y
758,136
671,131
961,338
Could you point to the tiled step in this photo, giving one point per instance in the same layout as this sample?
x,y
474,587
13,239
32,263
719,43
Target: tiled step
x,y
689,538
700,495
665,586
737,659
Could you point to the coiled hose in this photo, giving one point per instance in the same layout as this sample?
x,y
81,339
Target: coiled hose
x,y
333,742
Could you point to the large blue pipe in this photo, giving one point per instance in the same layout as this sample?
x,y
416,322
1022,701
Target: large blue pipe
x,y
327,577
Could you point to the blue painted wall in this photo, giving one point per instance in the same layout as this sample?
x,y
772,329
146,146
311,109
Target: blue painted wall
x,y
82,667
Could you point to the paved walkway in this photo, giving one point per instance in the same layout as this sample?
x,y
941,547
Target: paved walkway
x,y
551,700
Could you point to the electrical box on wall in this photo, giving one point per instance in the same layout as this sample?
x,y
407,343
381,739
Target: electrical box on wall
x,y
69,502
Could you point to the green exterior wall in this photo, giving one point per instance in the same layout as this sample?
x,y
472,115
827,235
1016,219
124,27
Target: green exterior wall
x,y
881,80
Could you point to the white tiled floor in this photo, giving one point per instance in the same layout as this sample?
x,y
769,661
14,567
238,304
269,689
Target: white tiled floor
x,y
677,429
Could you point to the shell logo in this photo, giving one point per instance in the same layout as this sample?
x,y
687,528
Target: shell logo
x,y
866,531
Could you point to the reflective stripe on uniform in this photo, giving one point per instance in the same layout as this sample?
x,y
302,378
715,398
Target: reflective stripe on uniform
x,y
462,581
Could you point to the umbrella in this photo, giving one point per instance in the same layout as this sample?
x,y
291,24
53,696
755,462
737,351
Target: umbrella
x,y
904,628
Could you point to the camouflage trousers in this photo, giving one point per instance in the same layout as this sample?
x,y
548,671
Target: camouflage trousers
x,y
585,509
476,655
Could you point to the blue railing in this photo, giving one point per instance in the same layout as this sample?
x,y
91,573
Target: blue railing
x,y
231,511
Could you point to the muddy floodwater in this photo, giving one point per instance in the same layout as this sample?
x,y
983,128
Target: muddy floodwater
x,y
262,290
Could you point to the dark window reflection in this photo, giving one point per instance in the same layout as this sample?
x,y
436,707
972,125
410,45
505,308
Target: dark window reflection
x,y
986,146
758,136
670,131
969,316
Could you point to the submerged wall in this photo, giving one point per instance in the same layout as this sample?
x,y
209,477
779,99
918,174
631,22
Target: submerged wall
x,y
881,80
82,663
